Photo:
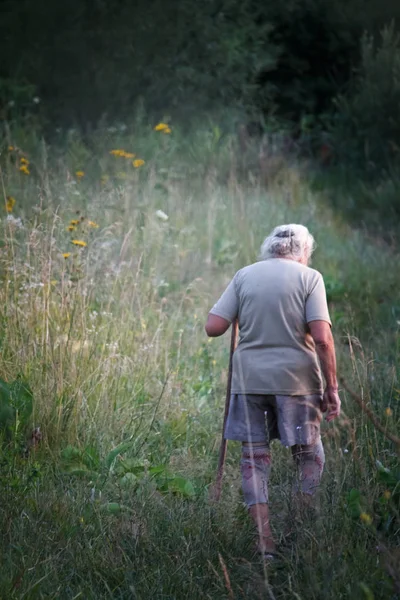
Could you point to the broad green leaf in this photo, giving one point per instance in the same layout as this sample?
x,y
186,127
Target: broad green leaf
x,y
112,508
130,465
79,470
21,398
128,480
386,476
368,594
157,470
71,454
182,486
117,450
7,415
354,503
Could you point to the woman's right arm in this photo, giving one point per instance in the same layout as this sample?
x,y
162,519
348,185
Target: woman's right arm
x,y
325,348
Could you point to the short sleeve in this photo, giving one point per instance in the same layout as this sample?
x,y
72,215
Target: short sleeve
x,y
227,306
316,303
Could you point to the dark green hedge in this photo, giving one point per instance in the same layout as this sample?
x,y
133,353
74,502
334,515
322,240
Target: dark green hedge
x,y
93,58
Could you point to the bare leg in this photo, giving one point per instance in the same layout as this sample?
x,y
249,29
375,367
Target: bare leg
x,y
310,463
255,467
260,516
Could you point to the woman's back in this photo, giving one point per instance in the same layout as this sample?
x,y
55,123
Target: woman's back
x,y
274,300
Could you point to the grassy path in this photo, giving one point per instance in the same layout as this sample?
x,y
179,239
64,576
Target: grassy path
x,y
108,271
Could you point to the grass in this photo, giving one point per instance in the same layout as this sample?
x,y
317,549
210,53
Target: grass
x,y
128,392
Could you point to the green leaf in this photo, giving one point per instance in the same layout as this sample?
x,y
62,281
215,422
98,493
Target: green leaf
x,y
176,484
128,480
386,476
7,415
157,470
181,486
368,594
79,470
354,503
118,450
130,465
4,392
21,398
115,508
112,508
71,454
15,397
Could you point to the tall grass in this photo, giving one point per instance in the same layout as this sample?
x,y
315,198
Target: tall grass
x,y
128,392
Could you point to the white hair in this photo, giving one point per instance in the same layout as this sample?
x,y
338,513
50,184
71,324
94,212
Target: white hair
x,y
288,241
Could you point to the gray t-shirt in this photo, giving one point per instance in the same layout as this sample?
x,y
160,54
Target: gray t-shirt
x,y
274,299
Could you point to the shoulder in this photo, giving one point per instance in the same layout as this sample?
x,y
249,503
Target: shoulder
x,y
314,281
311,274
248,271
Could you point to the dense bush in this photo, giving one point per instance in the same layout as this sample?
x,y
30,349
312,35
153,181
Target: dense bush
x,y
366,129
309,67
89,59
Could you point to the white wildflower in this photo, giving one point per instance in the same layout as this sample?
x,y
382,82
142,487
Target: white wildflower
x,y
36,100
14,221
160,214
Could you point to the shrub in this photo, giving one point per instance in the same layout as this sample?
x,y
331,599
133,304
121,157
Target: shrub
x,y
366,128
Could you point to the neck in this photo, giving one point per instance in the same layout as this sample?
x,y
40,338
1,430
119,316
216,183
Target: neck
x,y
303,260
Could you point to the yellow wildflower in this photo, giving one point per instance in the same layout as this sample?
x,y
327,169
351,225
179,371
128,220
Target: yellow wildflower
x,y
167,130
80,174
24,161
161,127
24,169
79,243
66,255
366,518
387,494
10,203
129,155
71,228
11,148
93,224
388,412
139,162
117,152
74,222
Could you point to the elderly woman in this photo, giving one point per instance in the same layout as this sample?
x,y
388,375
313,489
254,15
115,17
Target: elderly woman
x,y
284,328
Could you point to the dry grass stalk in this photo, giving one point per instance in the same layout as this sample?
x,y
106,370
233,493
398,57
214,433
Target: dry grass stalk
x,y
374,420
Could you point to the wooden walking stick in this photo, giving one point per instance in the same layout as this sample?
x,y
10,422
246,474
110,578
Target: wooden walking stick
x,y
217,488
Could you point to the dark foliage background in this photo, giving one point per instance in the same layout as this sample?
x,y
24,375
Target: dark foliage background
x,y
328,72
90,58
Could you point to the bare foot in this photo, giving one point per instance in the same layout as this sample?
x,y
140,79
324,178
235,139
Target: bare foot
x,y
266,545
260,516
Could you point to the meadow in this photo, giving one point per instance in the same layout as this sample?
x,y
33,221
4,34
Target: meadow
x,y
112,251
